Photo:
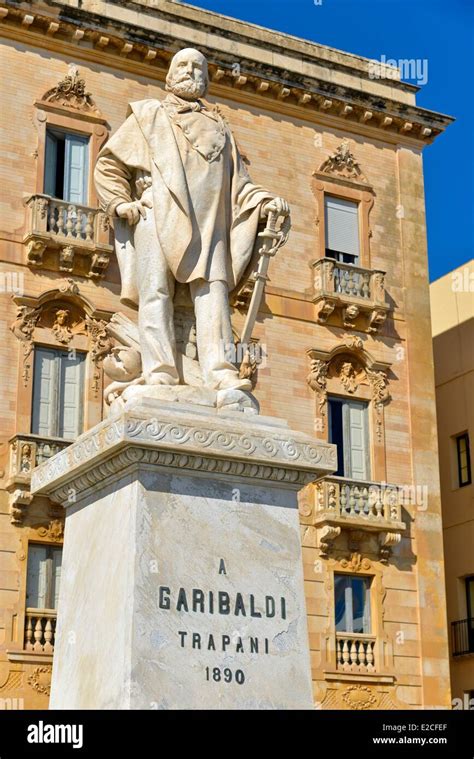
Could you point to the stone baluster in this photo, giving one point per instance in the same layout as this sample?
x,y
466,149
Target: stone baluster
x,y
29,633
89,228
353,652
52,217
345,653
38,635
370,655
353,492
352,283
343,499
365,284
48,637
70,221
61,216
362,656
78,225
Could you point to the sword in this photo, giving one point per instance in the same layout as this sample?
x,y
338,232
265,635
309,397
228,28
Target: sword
x,y
272,239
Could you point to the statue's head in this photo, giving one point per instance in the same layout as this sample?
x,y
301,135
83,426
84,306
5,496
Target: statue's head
x,y
187,75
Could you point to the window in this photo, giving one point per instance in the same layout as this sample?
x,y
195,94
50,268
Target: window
x,y
463,457
352,603
348,429
469,584
58,388
43,576
342,229
66,166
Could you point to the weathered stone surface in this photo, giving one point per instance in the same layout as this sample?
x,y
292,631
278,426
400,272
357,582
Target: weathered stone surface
x,y
182,581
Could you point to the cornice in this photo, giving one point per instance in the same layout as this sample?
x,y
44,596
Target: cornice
x,y
88,36
199,443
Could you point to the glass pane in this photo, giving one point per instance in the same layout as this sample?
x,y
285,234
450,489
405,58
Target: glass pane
x,y
57,561
341,586
470,596
336,433
36,583
352,604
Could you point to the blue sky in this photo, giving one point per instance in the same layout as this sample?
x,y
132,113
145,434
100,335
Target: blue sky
x,y
440,31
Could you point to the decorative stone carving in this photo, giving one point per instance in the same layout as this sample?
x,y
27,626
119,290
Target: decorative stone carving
x,y
61,328
66,258
23,328
357,293
356,563
100,346
34,252
216,444
54,530
343,164
350,313
326,536
317,380
348,376
387,540
380,396
68,286
71,92
40,680
73,235
360,697
99,264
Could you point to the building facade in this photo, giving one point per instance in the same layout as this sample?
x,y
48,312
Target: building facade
x,y
344,329
452,317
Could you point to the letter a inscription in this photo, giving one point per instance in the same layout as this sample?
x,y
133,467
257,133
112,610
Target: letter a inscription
x,y
222,569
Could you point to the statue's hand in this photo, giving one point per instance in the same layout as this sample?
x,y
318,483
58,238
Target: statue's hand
x,y
132,211
278,205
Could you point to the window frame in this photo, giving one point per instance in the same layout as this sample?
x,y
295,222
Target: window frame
x,y
57,393
345,401
457,439
338,254
50,548
368,580
345,189
49,115
53,132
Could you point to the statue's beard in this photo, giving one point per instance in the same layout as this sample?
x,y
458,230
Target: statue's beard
x,y
188,89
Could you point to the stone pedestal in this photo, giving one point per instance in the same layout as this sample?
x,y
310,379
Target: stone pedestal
x,y
182,580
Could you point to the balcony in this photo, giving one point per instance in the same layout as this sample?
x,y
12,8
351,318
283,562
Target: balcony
x,y
26,452
355,653
40,630
66,237
355,505
358,293
462,632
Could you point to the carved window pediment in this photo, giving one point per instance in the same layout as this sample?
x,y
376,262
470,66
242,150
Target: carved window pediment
x,y
70,93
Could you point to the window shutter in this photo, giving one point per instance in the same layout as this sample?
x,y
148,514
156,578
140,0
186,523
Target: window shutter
x,y
75,169
36,582
44,393
357,448
57,560
50,164
71,374
342,226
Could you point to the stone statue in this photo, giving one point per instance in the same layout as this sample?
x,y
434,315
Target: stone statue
x,y
185,212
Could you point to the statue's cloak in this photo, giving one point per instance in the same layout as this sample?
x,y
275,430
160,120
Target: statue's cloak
x,y
147,142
